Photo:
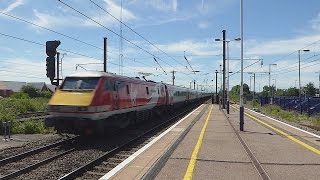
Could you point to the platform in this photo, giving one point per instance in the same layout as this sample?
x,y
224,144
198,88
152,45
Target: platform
x,y
209,148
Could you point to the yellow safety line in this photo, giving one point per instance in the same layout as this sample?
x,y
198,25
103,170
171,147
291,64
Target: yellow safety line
x,y
315,150
192,162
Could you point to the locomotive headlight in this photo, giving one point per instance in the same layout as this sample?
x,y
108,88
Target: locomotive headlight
x,y
82,108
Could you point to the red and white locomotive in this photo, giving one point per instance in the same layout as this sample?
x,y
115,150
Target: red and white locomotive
x,y
94,101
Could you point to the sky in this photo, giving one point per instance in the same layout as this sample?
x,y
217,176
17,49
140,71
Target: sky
x,y
169,31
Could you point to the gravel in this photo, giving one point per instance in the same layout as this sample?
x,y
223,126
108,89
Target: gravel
x,y
45,140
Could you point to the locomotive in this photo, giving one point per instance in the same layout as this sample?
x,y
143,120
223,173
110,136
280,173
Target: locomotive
x,y
92,102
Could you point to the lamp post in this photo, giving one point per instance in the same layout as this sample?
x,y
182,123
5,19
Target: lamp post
x,y
241,79
223,66
254,84
305,50
226,73
194,81
275,85
216,86
269,78
319,83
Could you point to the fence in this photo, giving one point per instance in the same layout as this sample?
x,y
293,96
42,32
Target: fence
x,y
309,105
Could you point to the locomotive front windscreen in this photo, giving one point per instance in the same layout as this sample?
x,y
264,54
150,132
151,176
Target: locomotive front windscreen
x,y
80,83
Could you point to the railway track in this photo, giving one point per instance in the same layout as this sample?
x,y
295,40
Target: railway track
x,y
40,115
32,114
110,159
19,164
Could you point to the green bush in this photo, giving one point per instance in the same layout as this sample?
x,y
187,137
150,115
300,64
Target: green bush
x,y
33,127
255,103
276,111
30,90
45,94
11,107
20,95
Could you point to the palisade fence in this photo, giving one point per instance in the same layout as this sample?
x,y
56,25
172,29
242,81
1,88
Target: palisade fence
x,y
309,105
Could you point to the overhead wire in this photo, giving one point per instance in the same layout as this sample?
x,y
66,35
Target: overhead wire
x,y
64,50
135,32
302,67
294,65
315,42
56,32
111,31
41,44
244,68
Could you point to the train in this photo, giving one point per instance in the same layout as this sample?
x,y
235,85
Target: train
x,y
91,102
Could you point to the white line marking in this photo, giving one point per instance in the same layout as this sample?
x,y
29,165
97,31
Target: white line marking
x,y
312,134
140,151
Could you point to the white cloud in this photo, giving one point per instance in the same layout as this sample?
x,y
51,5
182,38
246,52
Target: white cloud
x,y
63,20
47,20
12,68
164,5
280,46
315,23
192,47
14,5
113,9
203,25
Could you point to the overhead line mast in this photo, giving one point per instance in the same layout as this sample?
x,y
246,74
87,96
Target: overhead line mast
x,y
121,44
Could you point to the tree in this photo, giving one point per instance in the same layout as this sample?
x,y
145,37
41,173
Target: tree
x,y
309,89
45,94
266,90
30,90
246,90
292,91
235,92
280,92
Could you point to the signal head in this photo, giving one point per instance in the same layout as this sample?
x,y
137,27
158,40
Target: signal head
x,y
51,48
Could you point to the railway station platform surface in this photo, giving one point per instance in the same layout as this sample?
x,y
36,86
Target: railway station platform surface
x,y
210,148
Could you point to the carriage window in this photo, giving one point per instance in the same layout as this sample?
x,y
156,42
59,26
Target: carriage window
x,y
158,91
128,92
147,89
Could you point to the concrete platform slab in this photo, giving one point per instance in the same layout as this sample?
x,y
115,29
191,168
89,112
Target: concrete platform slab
x,y
281,157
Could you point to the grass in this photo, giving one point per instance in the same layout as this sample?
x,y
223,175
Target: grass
x,y
277,112
11,107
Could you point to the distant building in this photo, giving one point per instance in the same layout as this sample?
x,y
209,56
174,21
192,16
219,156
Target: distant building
x,y
5,91
7,88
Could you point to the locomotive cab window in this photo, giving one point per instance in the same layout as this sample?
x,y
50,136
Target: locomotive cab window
x,y
80,83
147,89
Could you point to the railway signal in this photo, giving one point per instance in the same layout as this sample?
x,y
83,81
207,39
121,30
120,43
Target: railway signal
x,y
51,51
50,64
51,48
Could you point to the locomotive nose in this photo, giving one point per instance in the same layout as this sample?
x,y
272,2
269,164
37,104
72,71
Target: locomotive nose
x,y
66,98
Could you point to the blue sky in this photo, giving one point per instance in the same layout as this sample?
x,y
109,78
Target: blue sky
x,y
273,31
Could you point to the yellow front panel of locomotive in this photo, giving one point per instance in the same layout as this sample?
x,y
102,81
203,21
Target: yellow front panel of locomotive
x,y
71,98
